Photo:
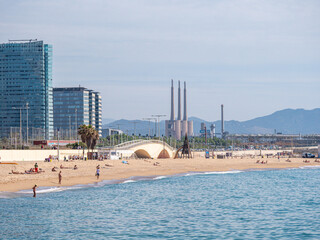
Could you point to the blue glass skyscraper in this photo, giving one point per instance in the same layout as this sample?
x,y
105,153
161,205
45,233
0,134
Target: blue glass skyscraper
x,y
74,106
26,98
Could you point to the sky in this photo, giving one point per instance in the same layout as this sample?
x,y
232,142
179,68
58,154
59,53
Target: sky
x,y
255,57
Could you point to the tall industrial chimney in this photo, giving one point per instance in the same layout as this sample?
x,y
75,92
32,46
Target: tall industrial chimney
x,y
179,102
222,122
172,102
185,116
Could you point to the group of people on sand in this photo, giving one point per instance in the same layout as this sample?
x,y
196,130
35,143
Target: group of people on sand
x,y
54,169
74,168
262,162
72,158
34,170
60,178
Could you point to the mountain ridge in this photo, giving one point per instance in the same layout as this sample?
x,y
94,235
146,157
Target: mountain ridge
x,y
286,121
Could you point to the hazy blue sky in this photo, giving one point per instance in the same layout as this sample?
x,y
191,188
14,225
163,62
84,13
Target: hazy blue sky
x,y
254,56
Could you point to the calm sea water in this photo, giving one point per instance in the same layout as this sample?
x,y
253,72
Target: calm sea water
x,y
273,204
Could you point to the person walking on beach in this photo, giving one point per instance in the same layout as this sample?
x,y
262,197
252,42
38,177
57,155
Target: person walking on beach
x,y
98,172
60,177
34,190
36,167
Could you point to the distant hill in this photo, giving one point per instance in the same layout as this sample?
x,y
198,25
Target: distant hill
x,y
107,120
293,121
137,126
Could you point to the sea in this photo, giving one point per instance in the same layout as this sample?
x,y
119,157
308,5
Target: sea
x,y
250,204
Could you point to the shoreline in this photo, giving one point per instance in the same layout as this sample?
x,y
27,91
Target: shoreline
x,y
143,168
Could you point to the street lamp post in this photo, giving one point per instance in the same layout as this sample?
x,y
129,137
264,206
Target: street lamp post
x,y
76,110
20,131
70,127
158,116
134,124
27,107
58,146
149,124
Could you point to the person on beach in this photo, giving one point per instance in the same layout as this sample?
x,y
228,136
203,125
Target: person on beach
x,y
60,177
34,190
98,172
36,167
75,167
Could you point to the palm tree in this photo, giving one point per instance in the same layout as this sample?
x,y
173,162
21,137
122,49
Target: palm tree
x,y
95,138
82,131
89,136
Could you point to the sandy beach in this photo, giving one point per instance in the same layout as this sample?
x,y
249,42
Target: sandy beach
x,y
115,169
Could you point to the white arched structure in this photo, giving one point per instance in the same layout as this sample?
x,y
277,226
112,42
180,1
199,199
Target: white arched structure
x,y
148,148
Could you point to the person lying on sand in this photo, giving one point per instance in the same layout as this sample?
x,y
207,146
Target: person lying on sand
x,y
54,169
258,161
288,160
62,167
156,164
108,165
14,172
31,171
75,167
125,162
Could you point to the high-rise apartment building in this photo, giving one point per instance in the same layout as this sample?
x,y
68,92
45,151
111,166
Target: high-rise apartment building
x,y
26,103
74,106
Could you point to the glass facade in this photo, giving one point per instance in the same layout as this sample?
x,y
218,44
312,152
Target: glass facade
x,y
74,107
26,87
98,112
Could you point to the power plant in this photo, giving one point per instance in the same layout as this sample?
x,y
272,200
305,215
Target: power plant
x,y
178,128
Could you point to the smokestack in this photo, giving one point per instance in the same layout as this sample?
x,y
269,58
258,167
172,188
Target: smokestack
x,y
185,117
222,122
172,102
179,101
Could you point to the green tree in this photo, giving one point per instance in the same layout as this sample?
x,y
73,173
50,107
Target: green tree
x,y
89,136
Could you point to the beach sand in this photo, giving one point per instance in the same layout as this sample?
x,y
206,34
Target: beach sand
x,y
85,173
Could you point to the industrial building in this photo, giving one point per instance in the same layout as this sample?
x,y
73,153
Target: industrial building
x,y
111,131
26,104
74,106
179,127
206,132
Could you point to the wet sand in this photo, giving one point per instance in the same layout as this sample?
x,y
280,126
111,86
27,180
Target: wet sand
x,y
85,174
